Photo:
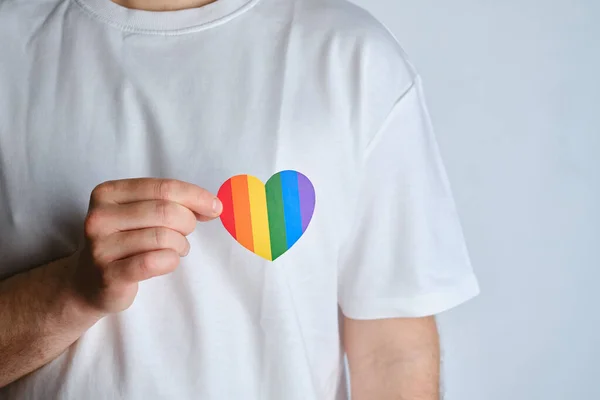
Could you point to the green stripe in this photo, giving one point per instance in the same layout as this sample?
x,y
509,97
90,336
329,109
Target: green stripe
x,y
276,216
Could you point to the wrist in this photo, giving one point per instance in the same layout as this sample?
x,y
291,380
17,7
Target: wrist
x,y
73,307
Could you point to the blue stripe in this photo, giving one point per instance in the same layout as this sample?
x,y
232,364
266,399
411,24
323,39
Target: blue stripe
x,y
291,206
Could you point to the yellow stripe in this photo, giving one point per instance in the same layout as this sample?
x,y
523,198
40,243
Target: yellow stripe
x,y
260,218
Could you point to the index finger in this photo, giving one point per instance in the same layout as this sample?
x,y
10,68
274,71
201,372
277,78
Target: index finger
x,y
125,191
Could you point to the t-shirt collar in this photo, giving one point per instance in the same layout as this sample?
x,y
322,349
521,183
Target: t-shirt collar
x,y
166,22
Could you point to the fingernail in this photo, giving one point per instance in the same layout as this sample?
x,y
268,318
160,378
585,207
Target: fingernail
x,y
217,206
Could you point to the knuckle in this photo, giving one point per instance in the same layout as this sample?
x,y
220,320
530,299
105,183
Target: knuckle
x,y
93,222
100,192
98,254
165,189
165,212
146,264
161,237
205,198
171,260
189,225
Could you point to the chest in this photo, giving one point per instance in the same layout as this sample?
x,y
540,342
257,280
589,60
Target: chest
x,y
89,115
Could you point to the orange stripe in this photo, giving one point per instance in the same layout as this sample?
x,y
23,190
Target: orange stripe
x,y
241,211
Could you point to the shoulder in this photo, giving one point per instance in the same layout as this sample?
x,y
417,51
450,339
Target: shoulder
x,y
360,43
357,62
22,18
29,8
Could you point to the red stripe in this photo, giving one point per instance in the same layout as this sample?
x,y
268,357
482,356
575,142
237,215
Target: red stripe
x,y
227,216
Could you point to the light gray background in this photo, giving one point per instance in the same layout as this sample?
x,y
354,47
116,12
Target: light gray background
x,y
514,93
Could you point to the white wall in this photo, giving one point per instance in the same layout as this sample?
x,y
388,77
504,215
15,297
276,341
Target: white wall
x,y
514,92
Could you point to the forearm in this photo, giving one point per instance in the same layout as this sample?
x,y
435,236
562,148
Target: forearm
x,y
389,378
39,318
402,364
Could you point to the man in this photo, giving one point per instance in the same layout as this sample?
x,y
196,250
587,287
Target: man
x,y
128,128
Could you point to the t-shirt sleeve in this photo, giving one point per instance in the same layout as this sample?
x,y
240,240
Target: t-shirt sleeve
x,y
405,255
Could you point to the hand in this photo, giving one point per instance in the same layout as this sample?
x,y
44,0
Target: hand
x,y
135,230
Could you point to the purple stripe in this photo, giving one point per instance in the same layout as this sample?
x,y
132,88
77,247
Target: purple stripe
x,y
307,200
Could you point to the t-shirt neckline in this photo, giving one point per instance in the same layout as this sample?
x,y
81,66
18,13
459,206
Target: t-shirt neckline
x,y
166,22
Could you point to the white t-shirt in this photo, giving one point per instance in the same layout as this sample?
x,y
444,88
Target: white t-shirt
x,y
91,91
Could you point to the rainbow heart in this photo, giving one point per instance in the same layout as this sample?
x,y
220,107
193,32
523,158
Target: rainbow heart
x,y
267,219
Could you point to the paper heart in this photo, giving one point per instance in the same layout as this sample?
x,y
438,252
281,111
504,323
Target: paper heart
x,y
267,219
